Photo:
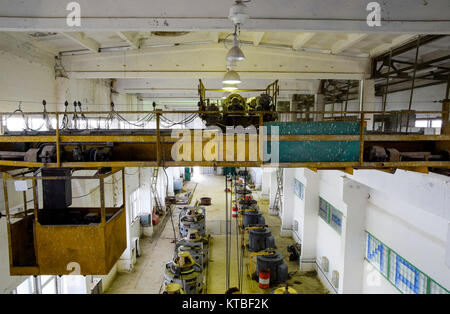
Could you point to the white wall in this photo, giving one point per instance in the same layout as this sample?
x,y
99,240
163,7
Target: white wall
x,y
408,211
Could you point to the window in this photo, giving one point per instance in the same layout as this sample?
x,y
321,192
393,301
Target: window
x,y
134,205
299,189
335,219
331,215
323,209
399,272
70,284
26,287
48,284
436,123
428,123
421,124
73,284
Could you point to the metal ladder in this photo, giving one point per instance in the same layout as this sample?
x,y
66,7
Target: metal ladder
x,y
277,203
154,191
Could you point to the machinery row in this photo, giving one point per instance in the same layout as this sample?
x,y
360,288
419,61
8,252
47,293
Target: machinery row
x,y
271,268
186,273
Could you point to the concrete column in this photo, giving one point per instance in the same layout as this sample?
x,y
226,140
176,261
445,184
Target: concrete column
x,y
319,105
265,184
287,203
310,219
272,186
293,107
369,101
356,196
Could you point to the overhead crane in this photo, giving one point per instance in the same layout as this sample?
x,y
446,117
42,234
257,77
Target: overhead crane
x,y
97,237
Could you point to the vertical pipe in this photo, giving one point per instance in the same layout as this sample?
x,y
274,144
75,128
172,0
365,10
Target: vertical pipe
x,y
35,223
260,138
102,200
413,84
25,202
361,131
35,198
386,89
158,140
58,154
8,218
124,198
346,97
226,231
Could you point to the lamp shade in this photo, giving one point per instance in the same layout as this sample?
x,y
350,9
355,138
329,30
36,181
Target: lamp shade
x,y
229,87
231,77
235,53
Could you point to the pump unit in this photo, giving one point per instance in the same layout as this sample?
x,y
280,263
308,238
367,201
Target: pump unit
x,y
261,239
273,262
192,218
195,249
252,217
184,271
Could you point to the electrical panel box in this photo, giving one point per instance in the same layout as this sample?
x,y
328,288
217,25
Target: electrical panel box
x,y
57,194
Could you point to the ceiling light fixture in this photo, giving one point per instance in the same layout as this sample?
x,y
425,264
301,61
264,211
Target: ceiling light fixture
x,y
231,77
235,53
229,87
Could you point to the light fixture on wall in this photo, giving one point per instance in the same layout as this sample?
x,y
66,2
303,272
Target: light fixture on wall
x,y
231,77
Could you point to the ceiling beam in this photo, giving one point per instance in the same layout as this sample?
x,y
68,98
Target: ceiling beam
x,y
397,41
132,38
344,44
257,37
301,40
421,17
208,61
82,40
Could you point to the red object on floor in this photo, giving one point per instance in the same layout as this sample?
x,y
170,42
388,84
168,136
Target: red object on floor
x,y
234,212
264,279
155,218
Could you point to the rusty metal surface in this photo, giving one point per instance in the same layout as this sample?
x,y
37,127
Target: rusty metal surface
x,y
94,247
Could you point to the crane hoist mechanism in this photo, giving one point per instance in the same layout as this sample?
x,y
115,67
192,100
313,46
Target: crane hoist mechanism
x,y
230,109
183,270
192,218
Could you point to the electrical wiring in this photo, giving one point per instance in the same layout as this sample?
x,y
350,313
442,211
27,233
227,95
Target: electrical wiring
x,y
81,196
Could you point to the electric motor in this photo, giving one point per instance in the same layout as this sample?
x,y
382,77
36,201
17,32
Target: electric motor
x,y
273,262
261,239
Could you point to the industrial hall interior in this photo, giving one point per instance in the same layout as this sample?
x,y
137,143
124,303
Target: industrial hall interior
x,y
228,147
